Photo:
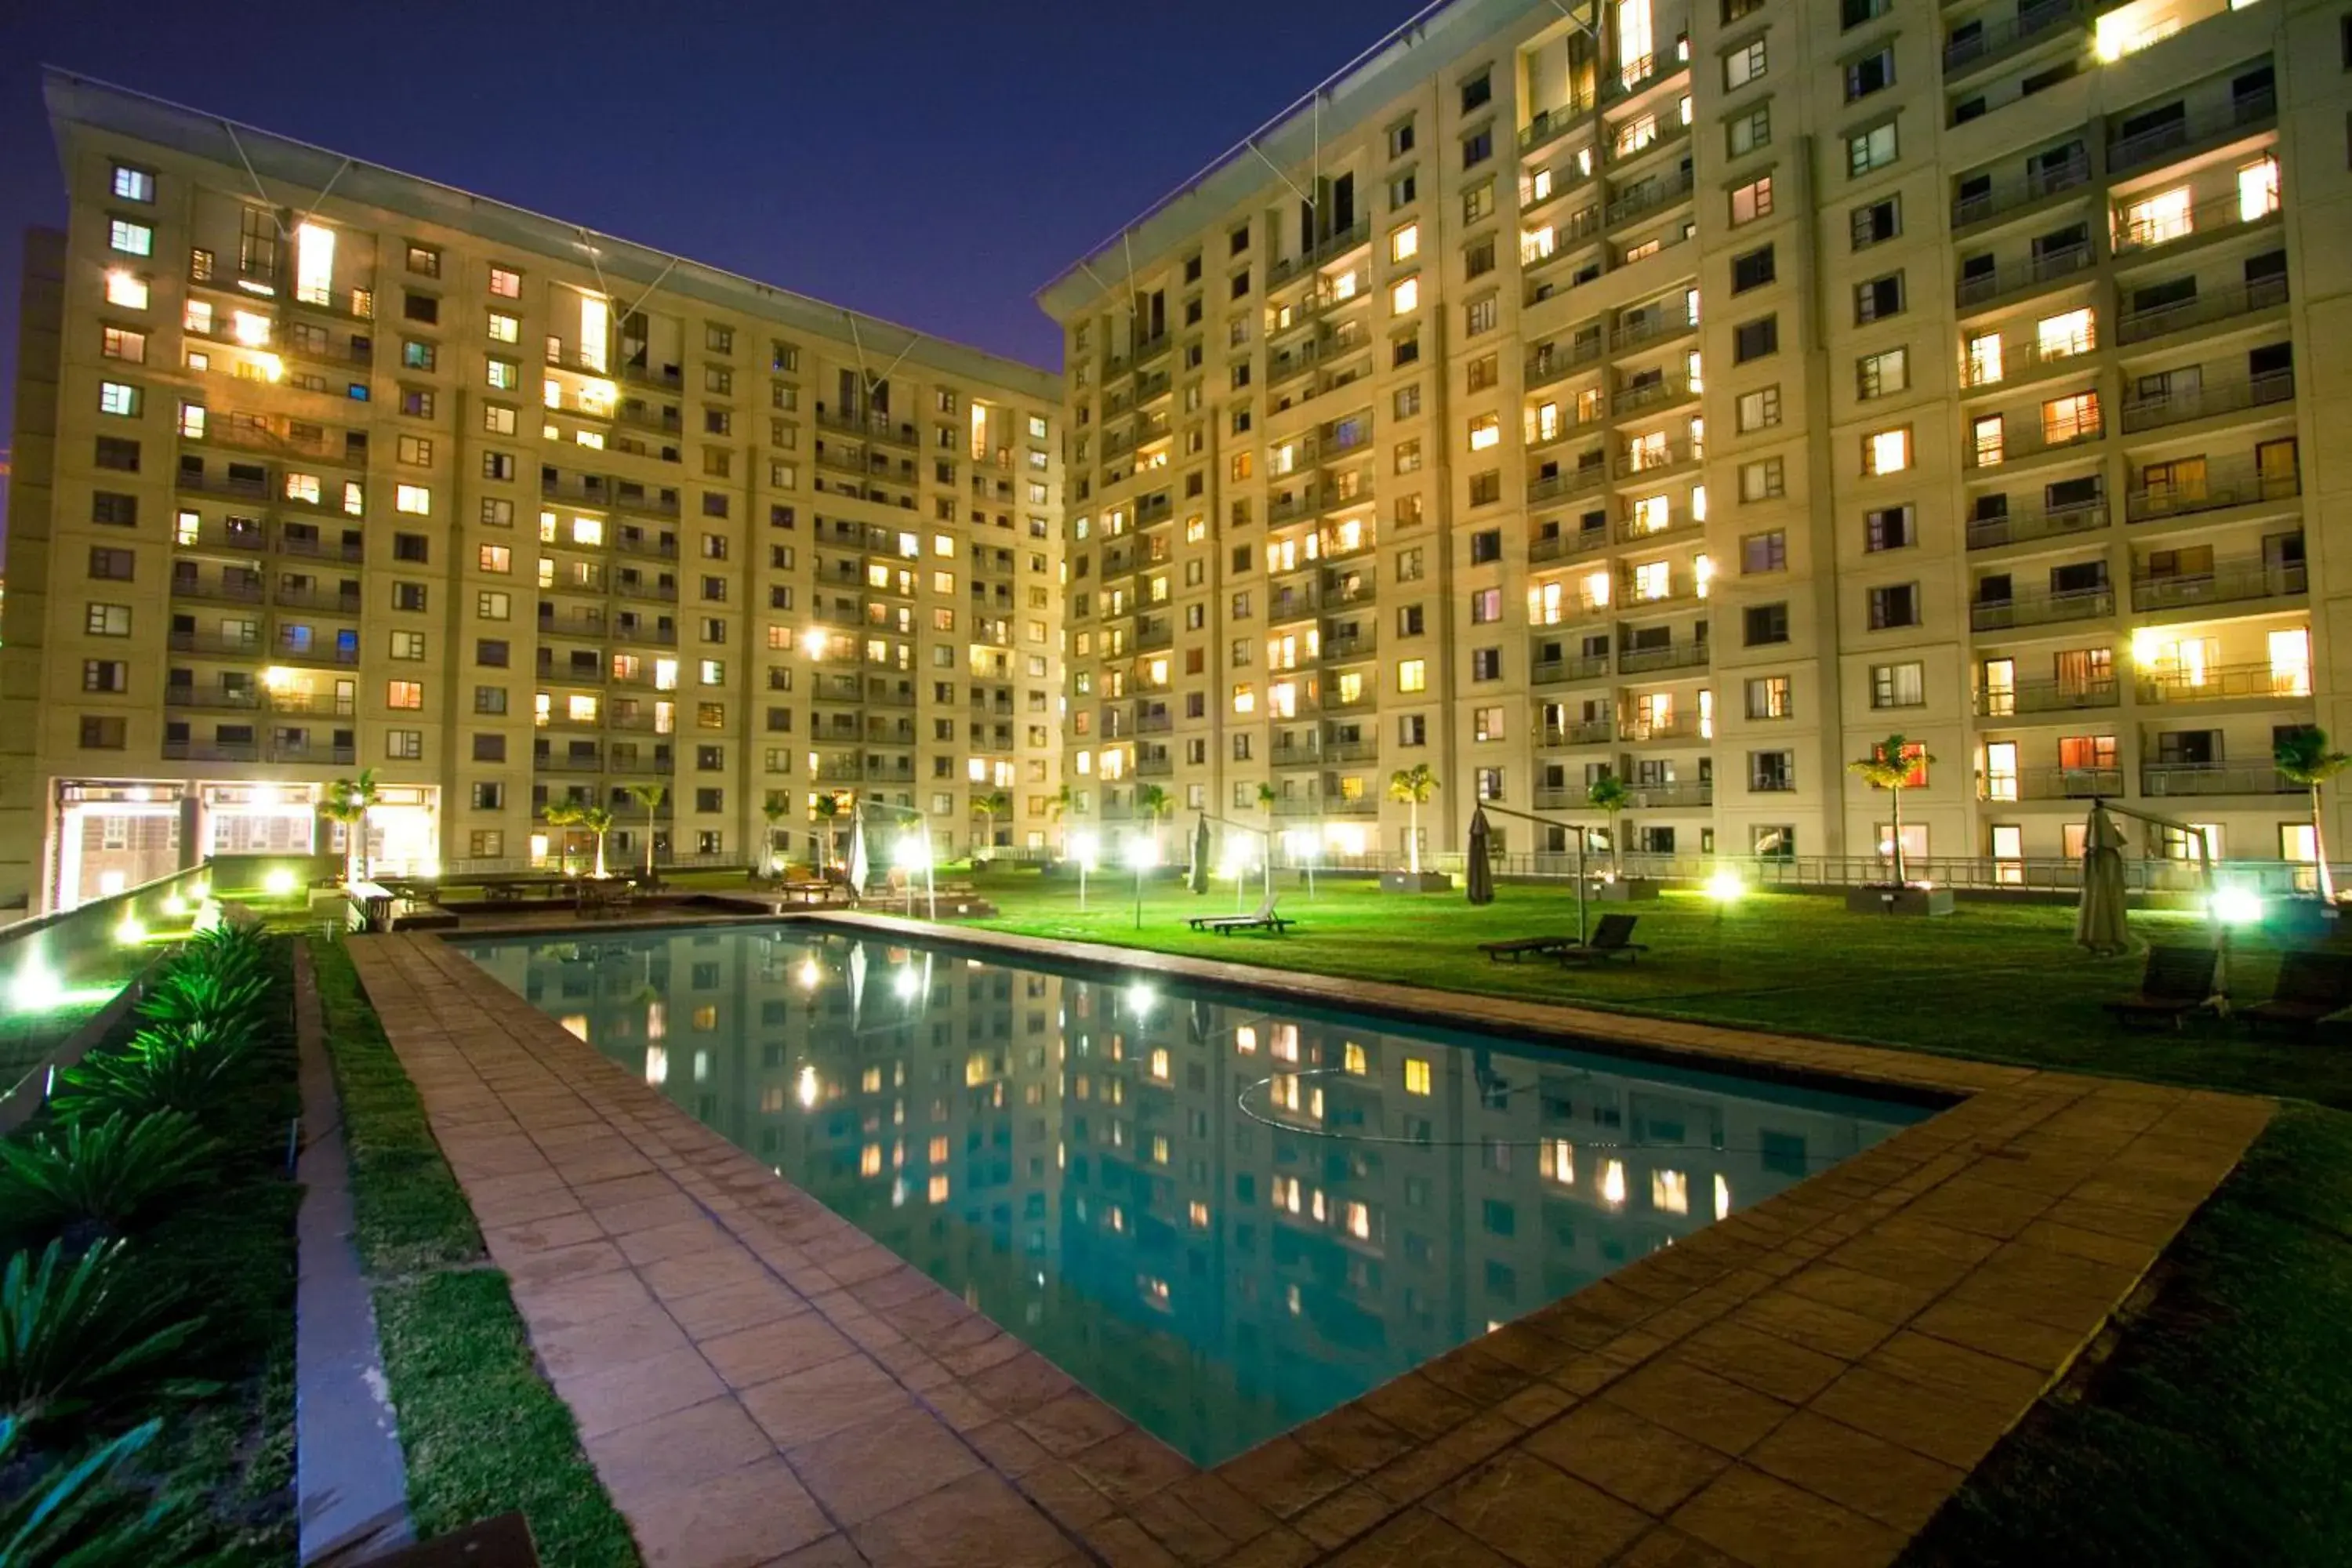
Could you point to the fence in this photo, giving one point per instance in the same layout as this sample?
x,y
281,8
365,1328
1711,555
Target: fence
x,y
2059,874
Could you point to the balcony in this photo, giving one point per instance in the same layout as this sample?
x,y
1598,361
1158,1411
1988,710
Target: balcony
x,y
1673,655
1585,732
874,426
1158,767
2158,779
1551,124
2197,398
2006,363
2025,435
182,694
2229,582
227,647
2136,239
1648,196
1549,362
2046,697
1581,479
2125,153
1654,323
1639,457
1966,54
2224,683
240,534
211,751
1659,392
2212,487
1674,794
1564,543
2053,783
2021,278
1568,671
2041,608
1337,245
226,590
1679,728
1338,752
319,548
1349,649
2201,309
2018,528
2039,180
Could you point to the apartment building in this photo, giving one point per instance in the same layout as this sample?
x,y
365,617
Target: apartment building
x,y
1697,392
322,466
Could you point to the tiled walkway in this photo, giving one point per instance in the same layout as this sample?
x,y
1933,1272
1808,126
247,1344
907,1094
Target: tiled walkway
x,y
1802,1383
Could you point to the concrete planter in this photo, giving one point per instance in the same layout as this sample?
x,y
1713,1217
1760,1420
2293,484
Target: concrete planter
x,y
1416,882
1899,900
1628,890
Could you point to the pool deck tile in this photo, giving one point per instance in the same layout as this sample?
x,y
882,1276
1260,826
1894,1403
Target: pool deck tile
x,y
1803,1384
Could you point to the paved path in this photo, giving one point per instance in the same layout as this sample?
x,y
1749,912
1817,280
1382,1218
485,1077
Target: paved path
x,y
1802,1383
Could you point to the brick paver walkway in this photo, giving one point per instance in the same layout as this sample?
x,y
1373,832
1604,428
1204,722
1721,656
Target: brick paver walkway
x,y
1802,1383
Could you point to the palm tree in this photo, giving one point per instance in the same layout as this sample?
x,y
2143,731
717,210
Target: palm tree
x,y
2302,758
1608,793
651,796
776,808
348,802
1415,786
825,807
990,806
598,820
1154,803
563,814
1889,767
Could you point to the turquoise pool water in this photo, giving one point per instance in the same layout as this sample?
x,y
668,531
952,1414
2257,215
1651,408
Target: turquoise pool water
x,y
1224,1216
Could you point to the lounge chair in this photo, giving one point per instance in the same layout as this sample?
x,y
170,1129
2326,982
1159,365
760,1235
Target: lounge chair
x,y
1521,946
2311,986
1262,919
1612,938
2177,981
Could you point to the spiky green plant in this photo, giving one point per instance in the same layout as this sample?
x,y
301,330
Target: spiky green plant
x,y
109,1173
199,1068
188,994
75,1337
81,1514
1608,793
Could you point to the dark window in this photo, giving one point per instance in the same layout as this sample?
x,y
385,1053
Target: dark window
x,y
710,800
100,734
1487,664
1878,299
1897,605
1888,528
1870,73
108,562
1854,13
1754,340
1752,270
1478,148
115,509
1763,624
1477,91
1771,772
1487,544
490,651
489,748
409,547
114,452
1877,223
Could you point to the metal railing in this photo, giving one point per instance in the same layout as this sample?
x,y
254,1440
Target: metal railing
x,y
1559,546
2020,277
2224,682
2127,152
2201,309
2228,583
1563,671
1999,40
2039,180
1674,655
2219,486
2157,779
2042,608
2154,410
1989,532
2046,697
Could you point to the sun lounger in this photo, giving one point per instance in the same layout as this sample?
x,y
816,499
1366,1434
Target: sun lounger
x,y
2177,981
1520,947
1262,919
1612,938
2311,986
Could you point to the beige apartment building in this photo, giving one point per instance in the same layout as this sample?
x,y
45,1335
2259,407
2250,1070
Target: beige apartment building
x,y
320,467
1699,392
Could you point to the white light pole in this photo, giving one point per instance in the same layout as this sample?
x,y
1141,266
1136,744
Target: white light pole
x,y
1143,854
1084,848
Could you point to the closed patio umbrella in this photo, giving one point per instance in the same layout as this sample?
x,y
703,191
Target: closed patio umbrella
x,y
1479,871
860,868
1200,878
2099,923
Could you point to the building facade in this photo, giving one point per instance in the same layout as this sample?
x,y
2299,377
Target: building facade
x,y
1699,392
322,467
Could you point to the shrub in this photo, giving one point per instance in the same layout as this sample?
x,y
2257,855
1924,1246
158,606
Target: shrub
x,y
73,1339
190,992
108,1172
198,1069
81,1515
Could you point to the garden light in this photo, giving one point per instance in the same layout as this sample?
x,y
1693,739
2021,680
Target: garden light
x,y
1726,885
907,985
36,988
2237,907
279,883
131,933
1143,854
1085,848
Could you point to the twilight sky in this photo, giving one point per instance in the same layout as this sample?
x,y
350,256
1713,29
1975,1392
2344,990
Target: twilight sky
x,y
929,162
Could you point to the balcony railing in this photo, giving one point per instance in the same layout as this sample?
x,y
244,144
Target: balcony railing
x,y
1681,727
2022,436
1638,458
2229,582
1647,195
1652,324
1549,362
2022,277
1551,124
2223,683
2057,522
1576,482
2219,487
1674,655
2128,152
2052,783
1565,671
229,590
2201,309
1585,732
2214,778
1661,393
2041,180
2204,220
2041,608
2046,697
1999,40
2202,398
1559,546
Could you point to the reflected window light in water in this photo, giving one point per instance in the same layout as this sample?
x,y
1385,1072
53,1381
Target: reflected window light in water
x,y
811,976
576,1026
906,984
938,1188
1245,1040
1670,1192
870,1160
657,1021
1139,999
808,1088
1557,1159
1199,1213
703,1067
1612,1182
656,1064
1722,1198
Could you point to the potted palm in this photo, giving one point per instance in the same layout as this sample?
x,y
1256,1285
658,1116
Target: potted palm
x,y
1414,787
598,820
651,796
347,804
2302,758
1608,794
774,809
825,807
1896,764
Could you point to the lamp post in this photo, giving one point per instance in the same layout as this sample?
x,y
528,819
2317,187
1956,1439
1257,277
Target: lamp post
x,y
1084,847
912,854
1143,854
1724,890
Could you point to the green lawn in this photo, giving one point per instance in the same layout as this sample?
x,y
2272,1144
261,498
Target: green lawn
x,y
2212,1433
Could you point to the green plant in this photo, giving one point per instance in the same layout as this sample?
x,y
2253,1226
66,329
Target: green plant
x,y
1154,803
825,807
1891,765
564,816
1608,793
348,803
2302,758
109,1173
597,820
81,1514
1414,785
75,1338
773,810
185,994
652,796
988,807
198,1069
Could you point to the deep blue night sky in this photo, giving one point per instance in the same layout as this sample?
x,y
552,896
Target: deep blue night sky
x,y
929,163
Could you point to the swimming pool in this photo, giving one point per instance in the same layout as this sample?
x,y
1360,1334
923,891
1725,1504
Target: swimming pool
x,y
1223,1214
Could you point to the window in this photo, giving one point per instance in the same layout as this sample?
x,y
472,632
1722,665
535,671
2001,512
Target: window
x,y
112,565
403,693
1487,664
1761,481
100,734
1877,223
1886,451
1759,409
1486,724
1878,299
1768,696
1895,604
1752,270
127,290
1478,203
117,397
505,329
416,354
1766,552
415,500
1477,91
1479,316
1870,73
2073,418
1871,149
416,307
1899,685
117,510
506,284
1751,201
122,343
105,675
1762,624
1771,772
1486,545
1400,138
1882,374
1772,842
408,644
130,238
1404,295
114,452
1404,242
504,374
1889,528
132,183
1754,340
1743,64
425,260
2071,333
1747,132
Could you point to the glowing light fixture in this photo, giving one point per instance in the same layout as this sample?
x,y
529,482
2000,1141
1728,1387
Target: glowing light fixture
x,y
808,1088
2237,907
279,883
131,933
1726,885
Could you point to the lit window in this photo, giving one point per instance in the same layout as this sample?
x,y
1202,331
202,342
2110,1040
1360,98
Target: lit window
x,y
2075,418
117,397
126,290
415,500
1417,1077
505,329
1984,359
405,694
1487,430
505,284
1404,296
130,238
2167,216
504,375
1413,675
192,421
2258,190
1404,243
133,185
2071,333
250,328
1886,451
